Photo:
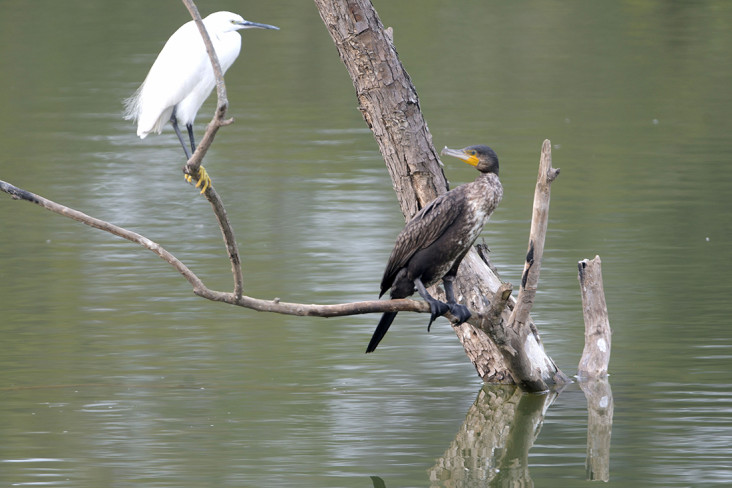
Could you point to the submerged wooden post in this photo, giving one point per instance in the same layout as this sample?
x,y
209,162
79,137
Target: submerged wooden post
x,y
592,370
596,354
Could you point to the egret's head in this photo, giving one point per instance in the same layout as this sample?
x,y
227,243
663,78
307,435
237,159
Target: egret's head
x,y
229,21
480,156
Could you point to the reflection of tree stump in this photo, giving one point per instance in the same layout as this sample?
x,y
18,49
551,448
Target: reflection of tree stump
x,y
493,442
599,427
474,454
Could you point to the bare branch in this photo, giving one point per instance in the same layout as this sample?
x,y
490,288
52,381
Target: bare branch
x,y
277,306
315,310
193,165
518,339
490,322
20,194
537,236
227,231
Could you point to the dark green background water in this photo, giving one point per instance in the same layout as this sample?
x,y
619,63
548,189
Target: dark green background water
x,y
113,374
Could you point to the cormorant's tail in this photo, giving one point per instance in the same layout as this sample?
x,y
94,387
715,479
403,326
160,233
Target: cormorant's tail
x,y
380,331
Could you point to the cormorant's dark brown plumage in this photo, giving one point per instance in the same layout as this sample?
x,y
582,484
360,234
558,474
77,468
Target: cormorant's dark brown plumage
x,y
435,240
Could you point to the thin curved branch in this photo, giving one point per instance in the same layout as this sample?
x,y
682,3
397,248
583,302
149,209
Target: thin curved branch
x,y
316,310
193,164
276,306
222,104
227,231
20,194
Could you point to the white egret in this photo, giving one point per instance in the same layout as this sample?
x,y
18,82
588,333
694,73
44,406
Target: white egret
x,y
181,78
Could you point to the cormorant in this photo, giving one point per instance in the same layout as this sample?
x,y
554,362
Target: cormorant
x,y
435,241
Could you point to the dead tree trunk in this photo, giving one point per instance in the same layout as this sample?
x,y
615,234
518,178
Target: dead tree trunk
x,y
390,106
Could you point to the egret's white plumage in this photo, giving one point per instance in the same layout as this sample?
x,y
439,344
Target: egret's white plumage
x,y
181,78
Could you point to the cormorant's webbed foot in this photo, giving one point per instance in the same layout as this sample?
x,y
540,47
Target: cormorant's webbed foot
x,y
437,308
460,312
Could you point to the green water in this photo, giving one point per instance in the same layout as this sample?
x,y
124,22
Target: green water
x,y
113,374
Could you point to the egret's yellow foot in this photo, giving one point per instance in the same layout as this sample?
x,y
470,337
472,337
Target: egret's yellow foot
x,y
204,181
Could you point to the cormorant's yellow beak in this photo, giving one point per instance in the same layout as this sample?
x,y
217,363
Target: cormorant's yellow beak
x,y
470,156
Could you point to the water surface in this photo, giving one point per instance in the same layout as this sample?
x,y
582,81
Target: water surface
x,y
114,374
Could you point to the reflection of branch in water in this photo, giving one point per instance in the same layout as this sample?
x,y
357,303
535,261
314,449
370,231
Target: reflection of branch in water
x,y
599,427
494,441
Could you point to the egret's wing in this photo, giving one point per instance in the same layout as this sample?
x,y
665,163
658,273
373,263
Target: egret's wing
x,y
427,225
173,75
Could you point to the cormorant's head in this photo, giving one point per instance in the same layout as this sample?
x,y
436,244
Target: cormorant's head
x,y
480,156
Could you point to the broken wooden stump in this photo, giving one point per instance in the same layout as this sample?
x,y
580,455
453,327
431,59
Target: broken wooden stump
x,y
596,354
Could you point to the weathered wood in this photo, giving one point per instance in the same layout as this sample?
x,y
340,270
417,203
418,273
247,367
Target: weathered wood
x,y
518,338
390,106
387,100
537,236
596,353
592,370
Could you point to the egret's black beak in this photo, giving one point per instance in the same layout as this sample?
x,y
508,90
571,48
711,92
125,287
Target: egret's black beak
x,y
256,25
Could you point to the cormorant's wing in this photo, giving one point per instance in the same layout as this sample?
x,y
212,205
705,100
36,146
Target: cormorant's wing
x,y
427,225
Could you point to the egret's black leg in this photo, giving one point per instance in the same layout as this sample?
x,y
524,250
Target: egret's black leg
x,y
204,181
190,136
437,308
460,312
174,123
